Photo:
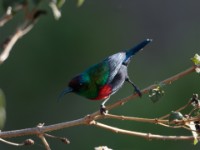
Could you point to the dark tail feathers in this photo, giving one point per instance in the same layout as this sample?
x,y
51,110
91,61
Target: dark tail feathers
x,y
137,48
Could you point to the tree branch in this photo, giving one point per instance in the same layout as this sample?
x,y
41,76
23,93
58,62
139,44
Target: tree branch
x,y
46,144
23,29
146,90
91,119
26,142
148,136
138,119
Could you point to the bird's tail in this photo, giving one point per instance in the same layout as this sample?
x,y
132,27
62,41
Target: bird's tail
x,y
137,48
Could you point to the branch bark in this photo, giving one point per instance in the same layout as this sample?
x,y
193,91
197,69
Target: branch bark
x,y
148,136
91,119
23,29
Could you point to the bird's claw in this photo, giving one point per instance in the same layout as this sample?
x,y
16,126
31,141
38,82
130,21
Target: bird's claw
x,y
138,92
103,110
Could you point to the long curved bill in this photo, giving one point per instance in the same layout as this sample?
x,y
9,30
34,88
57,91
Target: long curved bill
x,y
65,91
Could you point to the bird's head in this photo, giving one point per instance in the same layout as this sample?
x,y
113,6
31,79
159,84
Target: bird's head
x,y
78,84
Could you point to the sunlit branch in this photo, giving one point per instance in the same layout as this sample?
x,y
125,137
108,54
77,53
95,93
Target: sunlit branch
x,y
148,136
23,29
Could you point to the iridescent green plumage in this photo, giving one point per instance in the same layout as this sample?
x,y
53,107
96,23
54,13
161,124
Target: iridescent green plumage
x,y
105,78
93,79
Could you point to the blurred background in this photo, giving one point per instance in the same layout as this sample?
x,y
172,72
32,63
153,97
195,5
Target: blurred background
x,y
42,63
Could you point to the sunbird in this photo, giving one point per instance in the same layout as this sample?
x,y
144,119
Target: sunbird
x,y
103,79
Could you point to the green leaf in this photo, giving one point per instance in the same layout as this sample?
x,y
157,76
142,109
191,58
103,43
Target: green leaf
x,y
2,109
156,94
60,3
175,116
196,59
195,141
193,126
80,2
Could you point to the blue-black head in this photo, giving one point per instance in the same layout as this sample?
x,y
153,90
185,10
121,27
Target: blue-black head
x,y
78,85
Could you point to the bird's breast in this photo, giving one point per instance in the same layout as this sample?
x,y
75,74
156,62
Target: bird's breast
x,y
104,92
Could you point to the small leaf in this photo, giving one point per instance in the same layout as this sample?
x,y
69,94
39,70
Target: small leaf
x,y
80,3
60,3
195,141
196,59
156,94
175,116
2,109
194,130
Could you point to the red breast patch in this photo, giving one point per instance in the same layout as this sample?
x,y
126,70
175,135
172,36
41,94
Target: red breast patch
x,y
104,92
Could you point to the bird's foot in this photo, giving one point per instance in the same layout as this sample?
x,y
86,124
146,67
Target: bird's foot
x,y
137,90
103,110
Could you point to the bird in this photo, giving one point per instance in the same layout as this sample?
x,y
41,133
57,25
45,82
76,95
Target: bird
x,y
105,78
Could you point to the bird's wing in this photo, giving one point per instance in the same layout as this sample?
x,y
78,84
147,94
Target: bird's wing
x,y
114,62
104,72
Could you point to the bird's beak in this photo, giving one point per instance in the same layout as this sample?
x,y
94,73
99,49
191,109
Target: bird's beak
x,y
65,91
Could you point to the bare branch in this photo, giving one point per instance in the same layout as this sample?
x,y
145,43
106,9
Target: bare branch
x,y
46,144
26,142
148,136
5,19
138,119
63,139
23,29
178,110
146,90
91,119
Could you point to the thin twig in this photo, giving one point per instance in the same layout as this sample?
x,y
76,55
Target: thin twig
x,y
178,110
23,29
5,19
10,42
44,142
63,139
141,134
138,119
11,143
26,142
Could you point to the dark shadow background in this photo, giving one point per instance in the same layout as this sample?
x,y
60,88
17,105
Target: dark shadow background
x,y
42,63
